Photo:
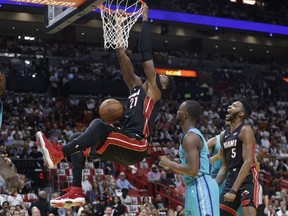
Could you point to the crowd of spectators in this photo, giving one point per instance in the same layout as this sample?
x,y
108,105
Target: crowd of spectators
x,y
59,117
265,11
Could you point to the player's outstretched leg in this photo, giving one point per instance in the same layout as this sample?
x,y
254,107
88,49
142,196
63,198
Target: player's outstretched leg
x,y
74,195
96,133
52,153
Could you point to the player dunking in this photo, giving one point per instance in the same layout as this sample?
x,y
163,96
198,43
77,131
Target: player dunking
x,y
238,150
202,193
126,145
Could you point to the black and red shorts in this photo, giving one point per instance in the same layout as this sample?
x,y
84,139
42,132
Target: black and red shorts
x,y
247,195
120,146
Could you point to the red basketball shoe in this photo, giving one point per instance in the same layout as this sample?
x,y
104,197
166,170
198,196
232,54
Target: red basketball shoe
x,y
73,197
52,153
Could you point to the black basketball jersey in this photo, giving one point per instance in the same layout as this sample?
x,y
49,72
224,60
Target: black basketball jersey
x,y
140,113
233,148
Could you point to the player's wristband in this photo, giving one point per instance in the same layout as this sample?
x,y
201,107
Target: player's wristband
x,y
233,191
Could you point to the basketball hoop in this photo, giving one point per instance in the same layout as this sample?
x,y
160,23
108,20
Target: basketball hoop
x,y
118,17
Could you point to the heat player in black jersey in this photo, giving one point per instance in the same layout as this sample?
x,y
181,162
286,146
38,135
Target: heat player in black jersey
x,y
125,145
238,150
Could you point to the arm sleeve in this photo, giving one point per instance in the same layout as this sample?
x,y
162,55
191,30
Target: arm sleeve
x,y
145,47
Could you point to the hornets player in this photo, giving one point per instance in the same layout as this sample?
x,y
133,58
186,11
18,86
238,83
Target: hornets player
x,y
214,146
238,161
201,198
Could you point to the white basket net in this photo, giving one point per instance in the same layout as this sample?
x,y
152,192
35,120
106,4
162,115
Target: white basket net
x,y
118,17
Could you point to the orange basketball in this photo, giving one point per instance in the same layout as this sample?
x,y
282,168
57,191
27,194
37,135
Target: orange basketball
x,y
111,110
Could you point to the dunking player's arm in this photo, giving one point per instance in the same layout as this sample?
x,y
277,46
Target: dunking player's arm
x,y
224,168
192,144
145,49
247,137
127,70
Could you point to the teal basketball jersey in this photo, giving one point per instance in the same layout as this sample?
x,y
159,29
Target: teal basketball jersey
x,y
218,163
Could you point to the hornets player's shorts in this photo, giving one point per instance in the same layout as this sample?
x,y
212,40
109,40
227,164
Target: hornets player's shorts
x,y
202,197
247,195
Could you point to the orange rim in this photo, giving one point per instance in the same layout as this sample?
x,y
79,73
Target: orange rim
x,y
108,10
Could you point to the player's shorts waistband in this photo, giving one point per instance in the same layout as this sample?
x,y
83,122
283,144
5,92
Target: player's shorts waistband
x,y
193,180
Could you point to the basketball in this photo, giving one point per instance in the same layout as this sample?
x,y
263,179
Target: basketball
x,y
111,110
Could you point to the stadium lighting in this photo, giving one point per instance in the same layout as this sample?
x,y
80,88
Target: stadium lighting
x,y
199,20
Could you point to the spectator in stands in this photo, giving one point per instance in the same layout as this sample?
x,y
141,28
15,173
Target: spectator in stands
x,y
35,211
181,189
159,203
146,202
125,198
265,142
145,212
42,204
166,181
108,189
179,208
5,207
25,213
276,206
99,180
16,213
170,149
69,212
170,212
271,211
107,192
95,192
15,199
181,213
89,209
86,185
68,132
170,173
84,213
281,168
155,211
283,209
263,200
284,195
35,154
108,211
100,207
109,179
19,207
122,182
118,207
27,184
153,175
12,209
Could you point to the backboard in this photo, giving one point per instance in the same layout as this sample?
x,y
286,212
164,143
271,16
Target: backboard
x,y
58,17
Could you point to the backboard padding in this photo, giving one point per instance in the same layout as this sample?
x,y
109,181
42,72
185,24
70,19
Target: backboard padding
x,y
68,16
